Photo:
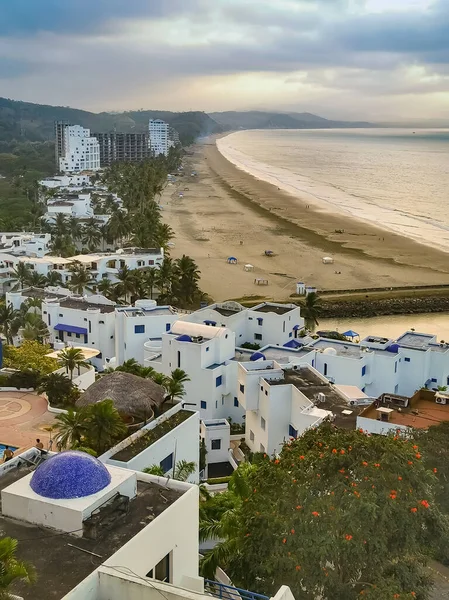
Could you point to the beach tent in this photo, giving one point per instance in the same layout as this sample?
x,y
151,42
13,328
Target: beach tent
x,y
232,260
351,334
248,267
327,260
269,252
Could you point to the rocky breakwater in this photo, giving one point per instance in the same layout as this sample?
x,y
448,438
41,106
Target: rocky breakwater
x,y
384,306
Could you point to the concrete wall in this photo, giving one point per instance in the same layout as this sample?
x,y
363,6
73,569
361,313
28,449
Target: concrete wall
x,y
378,427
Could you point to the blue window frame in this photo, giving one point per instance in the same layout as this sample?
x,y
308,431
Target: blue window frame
x,y
260,321
406,359
203,404
167,326
219,381
215,444
290,334
292,432
433,380
242,388
207,348
236,402
363,370
167,463
139,328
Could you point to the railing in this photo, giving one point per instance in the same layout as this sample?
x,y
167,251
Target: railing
x,y
228,592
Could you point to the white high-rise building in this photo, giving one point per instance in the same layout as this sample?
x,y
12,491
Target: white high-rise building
x,y
78,150
158,134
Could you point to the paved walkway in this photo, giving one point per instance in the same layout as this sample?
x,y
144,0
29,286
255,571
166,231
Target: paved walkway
x,y
23,418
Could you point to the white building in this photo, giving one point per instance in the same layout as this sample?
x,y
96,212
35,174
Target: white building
x,y
281,404
20,243
80,151
71,205
158,137
207,355
76,180
166,441
266,323
216,434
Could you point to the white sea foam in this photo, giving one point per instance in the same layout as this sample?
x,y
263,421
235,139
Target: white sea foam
x,y
386,179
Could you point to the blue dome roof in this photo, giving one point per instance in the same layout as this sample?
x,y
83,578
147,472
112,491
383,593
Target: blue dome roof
x,y
70,474
394,348
257,356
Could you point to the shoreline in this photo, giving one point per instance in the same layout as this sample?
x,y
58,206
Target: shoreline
x,y
226,212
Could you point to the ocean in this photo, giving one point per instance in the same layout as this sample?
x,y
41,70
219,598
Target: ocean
x,y
394,178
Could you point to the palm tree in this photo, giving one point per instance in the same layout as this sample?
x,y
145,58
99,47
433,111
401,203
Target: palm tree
x,y
149,280
9,321
74,228
105,287
130,366
118,226
60,227
126,281
311,310
58,387
54,278
71,359
36,280
35,328
71,427
12,569
187,277
21,273
62,245
91,235
105,425
182,470
164,233
164,277
175,384
80,278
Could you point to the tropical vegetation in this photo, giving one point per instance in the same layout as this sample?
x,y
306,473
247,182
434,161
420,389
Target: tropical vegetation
x,y
30,355
182,470
338,515
71,359
311,309
11,568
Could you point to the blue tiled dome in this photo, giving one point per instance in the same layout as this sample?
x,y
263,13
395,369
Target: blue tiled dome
x,y
70,474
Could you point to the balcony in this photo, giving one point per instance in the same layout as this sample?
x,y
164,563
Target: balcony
x,y
228,592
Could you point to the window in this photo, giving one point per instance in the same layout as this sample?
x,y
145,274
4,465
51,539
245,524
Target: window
x,y
433,380
290,334
139,328
292,432
161,571
77,335
167,326
100,355
215,444
261,388
49,319
283,327
266,392
218,381
257,336
260,321
207,348
236,402
203,404
242,388
363,370
406,359
90,326
69,333
251,435
396,388
262,423
167,463
262,448
179,359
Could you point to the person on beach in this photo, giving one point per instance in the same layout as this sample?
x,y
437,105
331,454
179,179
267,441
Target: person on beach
x,y
7,454
39,444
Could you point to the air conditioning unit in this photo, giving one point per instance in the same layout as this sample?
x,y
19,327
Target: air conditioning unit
x,y
440,400
321,397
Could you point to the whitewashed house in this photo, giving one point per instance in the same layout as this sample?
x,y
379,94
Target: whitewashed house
x,y
76,180
76,205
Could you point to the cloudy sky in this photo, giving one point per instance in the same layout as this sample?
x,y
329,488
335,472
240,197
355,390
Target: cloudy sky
x,y
374,59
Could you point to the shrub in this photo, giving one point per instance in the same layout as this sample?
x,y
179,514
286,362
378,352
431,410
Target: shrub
x,y
216,480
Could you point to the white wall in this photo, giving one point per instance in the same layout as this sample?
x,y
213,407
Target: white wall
x,y
217,429
378,427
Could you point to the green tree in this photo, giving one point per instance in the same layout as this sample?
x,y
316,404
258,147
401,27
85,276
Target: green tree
x,y
11,568
80,277
126,282
174,384
71,359
186,280
34,328
62,245
36,280
149,281
53,279
74,228
118,226
21,273
72,427
92,234
337,514
183,470
311,310
105,287
9,321
30,355
59,389
105,426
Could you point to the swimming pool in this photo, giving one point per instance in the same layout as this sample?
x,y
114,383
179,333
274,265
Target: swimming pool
x,y
2,449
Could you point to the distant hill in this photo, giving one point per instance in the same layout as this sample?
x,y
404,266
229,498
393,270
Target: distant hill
x,y
272,120
25,121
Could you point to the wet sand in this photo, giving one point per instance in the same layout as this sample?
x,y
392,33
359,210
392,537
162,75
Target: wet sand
x,y
227,212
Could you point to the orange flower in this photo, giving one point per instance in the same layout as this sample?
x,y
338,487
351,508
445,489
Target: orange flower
x,y
393,496
396,595
318,475
415,447
424,503
418,455
377,464
414,509
321,455
315,513
399,478
435,470
298,567
247,535
301,457
276,462
410,462
294,480
284,541
292,531
254,490
348,537
341,471
413,594
334,451
354,484
342,451
356,494
364,463
298,507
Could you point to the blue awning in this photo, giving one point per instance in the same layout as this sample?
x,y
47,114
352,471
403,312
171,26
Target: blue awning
x,y
71,329
293,344
296,327
213,323
351,334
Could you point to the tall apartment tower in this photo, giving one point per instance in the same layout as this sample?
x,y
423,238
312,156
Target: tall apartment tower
x,y
122,147
76,150
159,139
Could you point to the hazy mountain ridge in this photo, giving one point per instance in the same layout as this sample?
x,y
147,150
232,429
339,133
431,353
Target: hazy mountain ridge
x,y
272,120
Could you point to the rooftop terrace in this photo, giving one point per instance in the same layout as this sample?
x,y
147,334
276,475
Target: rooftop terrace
x,y
342,348
82,304
61,560
418,341
279,309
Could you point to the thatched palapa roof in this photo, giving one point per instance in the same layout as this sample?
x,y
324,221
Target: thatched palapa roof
x,y
132,395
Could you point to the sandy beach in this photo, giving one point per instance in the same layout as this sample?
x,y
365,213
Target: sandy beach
x,y
227,212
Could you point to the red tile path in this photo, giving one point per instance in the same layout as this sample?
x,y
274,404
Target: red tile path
x,y
23,417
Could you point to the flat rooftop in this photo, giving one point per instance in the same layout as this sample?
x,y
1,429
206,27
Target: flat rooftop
x,y
418,341
225,312
82,304
279,309
34,292
422,412
342,348
148,312
310,384
59,559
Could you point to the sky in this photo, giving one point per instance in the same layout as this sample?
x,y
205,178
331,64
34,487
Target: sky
x,y
343,59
